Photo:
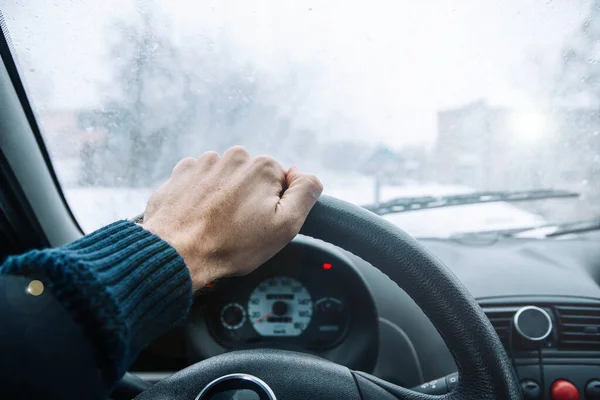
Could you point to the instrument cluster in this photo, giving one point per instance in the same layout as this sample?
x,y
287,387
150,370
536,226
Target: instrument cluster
x,y
301,301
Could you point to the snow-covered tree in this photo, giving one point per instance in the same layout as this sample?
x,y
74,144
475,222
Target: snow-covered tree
x,y
167,101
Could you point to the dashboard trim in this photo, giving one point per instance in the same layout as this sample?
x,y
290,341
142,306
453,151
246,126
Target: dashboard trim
x,y
518,327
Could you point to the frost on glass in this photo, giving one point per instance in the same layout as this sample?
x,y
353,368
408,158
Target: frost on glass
x,y
578,158
164,104
427,101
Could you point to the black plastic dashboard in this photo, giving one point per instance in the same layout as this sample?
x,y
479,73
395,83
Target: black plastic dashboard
x,y
382,331
560,276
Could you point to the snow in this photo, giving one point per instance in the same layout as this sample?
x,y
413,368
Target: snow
x,y
98,206
95,207
439,222
442,222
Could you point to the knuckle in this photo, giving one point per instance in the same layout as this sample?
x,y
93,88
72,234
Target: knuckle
x,y
266,164
237,153
210,154
238,150
264,161
209,157
315,182
184,164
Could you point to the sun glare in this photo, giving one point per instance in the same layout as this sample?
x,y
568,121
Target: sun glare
x,y
529,127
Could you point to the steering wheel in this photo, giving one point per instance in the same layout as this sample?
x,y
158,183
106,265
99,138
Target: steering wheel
x,y
484,368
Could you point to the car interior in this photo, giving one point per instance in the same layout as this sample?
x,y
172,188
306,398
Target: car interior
x,y
353,307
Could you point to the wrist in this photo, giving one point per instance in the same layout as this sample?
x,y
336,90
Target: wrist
x,y
201,270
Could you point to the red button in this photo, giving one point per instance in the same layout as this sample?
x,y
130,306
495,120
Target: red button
x,y
564,390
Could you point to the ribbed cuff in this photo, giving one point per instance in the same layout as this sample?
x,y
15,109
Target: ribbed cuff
x,y
122,284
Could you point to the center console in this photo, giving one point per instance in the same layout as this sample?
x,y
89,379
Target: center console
x,y
554,344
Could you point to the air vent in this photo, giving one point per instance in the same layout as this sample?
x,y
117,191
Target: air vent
x,y
579,327
501,318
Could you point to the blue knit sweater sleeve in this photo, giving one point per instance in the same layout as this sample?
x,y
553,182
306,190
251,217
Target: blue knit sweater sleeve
x,y
122,285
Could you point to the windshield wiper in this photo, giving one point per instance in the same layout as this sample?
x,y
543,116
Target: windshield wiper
x,y
576,227
559,229
406,204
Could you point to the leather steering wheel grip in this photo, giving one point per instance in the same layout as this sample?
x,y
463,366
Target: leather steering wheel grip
x,y
485,370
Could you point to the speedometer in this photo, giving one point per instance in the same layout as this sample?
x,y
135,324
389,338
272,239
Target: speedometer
x,y
280,306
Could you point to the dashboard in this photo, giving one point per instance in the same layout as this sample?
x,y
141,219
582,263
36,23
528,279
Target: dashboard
x,y
316,298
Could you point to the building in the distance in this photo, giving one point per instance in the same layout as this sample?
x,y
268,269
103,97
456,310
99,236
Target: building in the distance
x,y
71,138
494,148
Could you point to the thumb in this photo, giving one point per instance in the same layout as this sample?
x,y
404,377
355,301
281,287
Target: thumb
x,y
301,193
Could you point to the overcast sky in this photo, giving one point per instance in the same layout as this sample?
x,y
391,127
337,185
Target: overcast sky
x,y
390,64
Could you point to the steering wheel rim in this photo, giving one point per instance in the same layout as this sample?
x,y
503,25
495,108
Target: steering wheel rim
x,y
484,368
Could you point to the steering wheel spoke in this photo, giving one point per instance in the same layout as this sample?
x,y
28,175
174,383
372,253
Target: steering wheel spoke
x,y
290,375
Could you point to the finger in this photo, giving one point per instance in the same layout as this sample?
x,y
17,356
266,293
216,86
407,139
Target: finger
x,y
301,193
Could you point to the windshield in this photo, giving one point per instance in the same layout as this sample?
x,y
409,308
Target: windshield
x,y
379,99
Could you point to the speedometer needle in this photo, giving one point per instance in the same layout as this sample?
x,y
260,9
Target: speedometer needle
x,y
267,315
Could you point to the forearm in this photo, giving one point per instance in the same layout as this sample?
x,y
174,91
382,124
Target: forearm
x,y
118,288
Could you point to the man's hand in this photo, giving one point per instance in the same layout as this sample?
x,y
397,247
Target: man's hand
x,y
228,215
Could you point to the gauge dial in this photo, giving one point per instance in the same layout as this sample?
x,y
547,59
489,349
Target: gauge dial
x,y
233,316
329,318
280,306
329,306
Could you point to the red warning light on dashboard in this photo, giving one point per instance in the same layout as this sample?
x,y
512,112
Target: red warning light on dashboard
x,y
326,266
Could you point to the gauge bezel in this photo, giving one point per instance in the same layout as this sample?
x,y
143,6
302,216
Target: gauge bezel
x,y
238,325
345,317
303,259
